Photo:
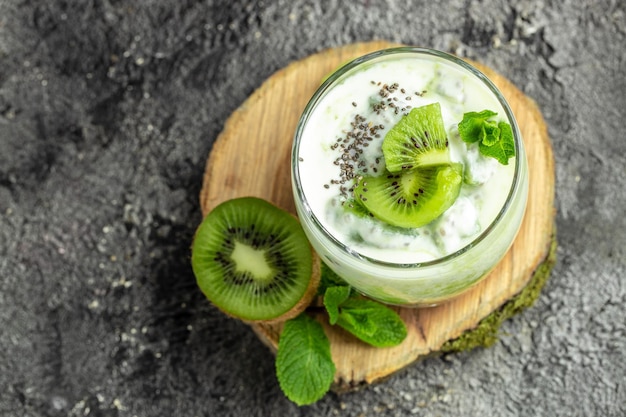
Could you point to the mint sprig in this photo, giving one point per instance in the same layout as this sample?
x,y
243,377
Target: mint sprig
x,y
495,139
304,366
328,279
371,322
502,149
333,298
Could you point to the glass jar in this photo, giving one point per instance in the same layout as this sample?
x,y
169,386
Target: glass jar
x,y
387,264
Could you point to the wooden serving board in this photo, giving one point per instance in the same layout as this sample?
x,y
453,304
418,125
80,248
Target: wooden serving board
x,y
251,157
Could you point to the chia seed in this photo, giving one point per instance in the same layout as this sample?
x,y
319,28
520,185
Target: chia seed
x,y
358,136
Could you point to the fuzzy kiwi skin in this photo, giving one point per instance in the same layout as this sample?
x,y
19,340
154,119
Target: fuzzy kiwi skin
x,y
311,286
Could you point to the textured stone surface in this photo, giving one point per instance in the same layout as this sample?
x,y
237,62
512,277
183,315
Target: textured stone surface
x,y
108,110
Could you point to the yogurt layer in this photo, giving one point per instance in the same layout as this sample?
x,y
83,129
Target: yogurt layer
x,y
349,124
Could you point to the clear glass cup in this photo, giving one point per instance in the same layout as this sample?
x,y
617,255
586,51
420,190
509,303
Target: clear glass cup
x,y
404,283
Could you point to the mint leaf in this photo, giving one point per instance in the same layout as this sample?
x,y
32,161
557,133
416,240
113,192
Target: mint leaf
x,y
333,298
368,320
471,126
494,139
328,279
490,133
504,148
506,137
372,322
304,366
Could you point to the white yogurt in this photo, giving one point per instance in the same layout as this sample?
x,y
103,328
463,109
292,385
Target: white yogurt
x,y
405,80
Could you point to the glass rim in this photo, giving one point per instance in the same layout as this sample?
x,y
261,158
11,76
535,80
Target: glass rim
x,y
329,83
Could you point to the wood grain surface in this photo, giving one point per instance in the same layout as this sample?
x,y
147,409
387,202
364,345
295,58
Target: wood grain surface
x,y
251,157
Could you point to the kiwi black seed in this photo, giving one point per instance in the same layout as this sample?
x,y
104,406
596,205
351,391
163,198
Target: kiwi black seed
x,y
411,198
253,261
418,140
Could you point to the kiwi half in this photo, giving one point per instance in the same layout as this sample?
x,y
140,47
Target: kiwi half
x,y
411,198
418,140
420,182
253,261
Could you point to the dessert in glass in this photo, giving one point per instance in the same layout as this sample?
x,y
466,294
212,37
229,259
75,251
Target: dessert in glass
x,y
409,175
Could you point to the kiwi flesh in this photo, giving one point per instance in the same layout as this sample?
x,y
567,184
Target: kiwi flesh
x,y
356,207
411,198
253,261
418,140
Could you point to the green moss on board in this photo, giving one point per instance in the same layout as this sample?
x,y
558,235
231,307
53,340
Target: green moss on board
x,y
487,331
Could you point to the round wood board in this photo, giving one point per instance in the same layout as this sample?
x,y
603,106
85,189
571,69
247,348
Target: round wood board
x,y
251,157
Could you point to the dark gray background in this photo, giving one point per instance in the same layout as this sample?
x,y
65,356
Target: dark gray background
x,y
108,110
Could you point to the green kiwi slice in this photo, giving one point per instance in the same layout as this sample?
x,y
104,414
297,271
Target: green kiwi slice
x,y
417,140
253,261
356,207
412,198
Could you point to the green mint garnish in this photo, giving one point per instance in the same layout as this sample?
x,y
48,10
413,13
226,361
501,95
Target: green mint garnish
x,y
333,298
304,366
504,148
494,139
329,279
370,321
471,126
490,133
